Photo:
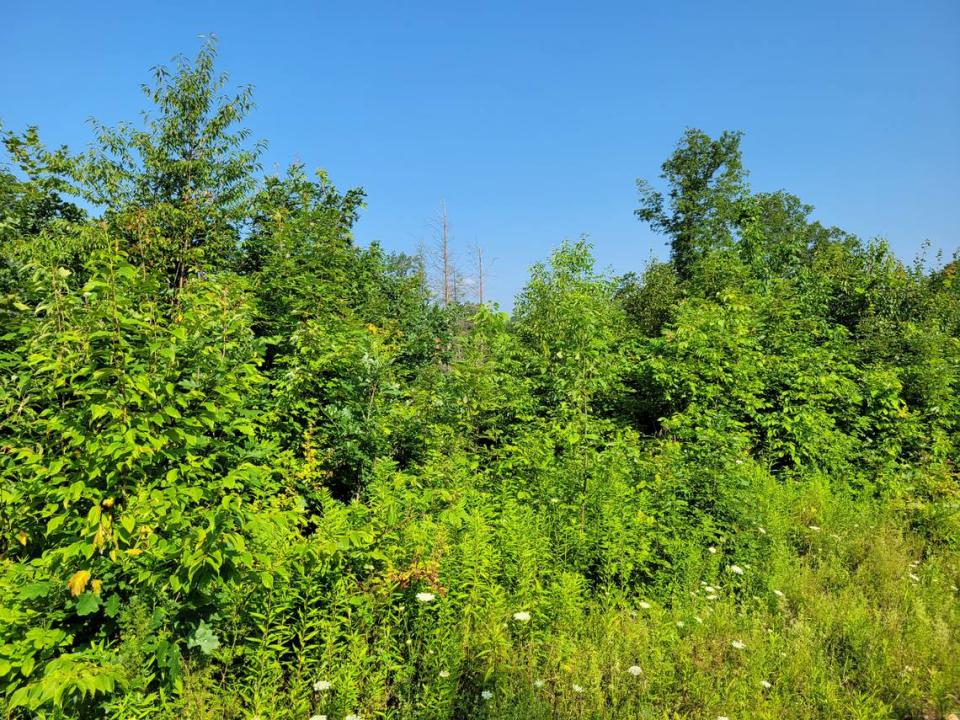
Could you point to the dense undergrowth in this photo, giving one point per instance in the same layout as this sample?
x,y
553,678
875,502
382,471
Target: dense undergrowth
x,y
250,469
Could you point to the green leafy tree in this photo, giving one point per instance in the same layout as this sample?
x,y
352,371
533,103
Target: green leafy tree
x,y
706,181
177,190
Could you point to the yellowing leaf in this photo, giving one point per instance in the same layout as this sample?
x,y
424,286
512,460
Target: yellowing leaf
x,y
96,586
78,582
22,537
100,539
134,551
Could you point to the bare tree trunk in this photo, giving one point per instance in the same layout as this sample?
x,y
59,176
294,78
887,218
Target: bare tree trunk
x,y
480,273
445,252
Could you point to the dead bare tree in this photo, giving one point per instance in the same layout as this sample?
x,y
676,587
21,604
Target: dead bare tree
x,y
480,274
442,261
445,252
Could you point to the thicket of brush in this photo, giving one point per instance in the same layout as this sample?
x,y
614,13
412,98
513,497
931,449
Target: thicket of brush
x,y
250,469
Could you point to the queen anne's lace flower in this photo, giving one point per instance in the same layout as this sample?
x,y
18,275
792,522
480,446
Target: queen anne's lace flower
x,y
635,670
426,597
739,645
486,694
522,616
736,569
322,685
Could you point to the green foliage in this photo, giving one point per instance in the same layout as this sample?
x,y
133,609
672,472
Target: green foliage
x,y
249,469
706,183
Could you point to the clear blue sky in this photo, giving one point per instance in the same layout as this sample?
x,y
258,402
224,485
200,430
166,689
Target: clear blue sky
x,y
533,119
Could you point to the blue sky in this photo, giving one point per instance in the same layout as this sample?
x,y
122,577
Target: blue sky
x,y
533,120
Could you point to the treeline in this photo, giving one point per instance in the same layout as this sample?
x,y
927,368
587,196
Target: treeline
x,y
251,469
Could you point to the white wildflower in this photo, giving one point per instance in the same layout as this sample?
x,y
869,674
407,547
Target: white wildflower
x,y
577,688
712,550
486,694
766,684
722,717
318,717
635,670
711,597
426,597
778,593
522,616
710,590
679,623
815,528
736,569
444,673
739,645
538,683
351,716
322,685
644,605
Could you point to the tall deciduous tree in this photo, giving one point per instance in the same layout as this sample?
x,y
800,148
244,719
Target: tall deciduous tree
x,y
706,180
178,189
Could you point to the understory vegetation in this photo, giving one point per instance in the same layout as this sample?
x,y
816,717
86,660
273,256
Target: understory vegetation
x,y
251,469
